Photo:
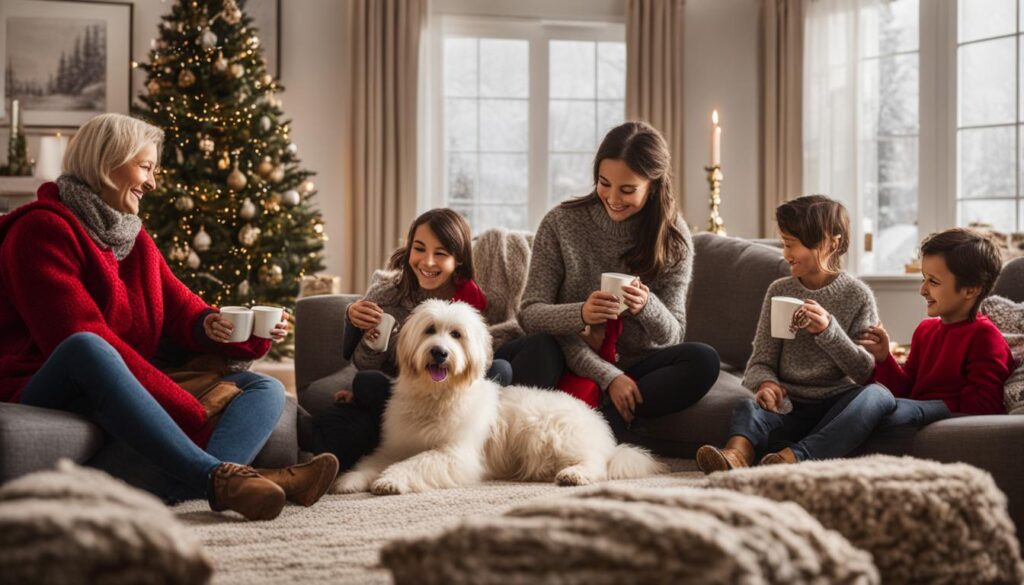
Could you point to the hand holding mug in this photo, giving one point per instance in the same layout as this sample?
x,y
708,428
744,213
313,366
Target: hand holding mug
x,y
876,341
280,331
770,396
365,314
812,317
625,395
635,296
217,327
600,307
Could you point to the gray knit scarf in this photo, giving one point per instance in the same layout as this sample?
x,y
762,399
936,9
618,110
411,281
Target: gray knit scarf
x,y
108,227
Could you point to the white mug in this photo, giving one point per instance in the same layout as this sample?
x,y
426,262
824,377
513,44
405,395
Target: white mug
x,y
241,321
265,319
782,316
384,328
612,282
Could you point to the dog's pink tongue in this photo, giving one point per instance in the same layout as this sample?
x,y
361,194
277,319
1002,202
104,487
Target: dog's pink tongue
x,y
437,373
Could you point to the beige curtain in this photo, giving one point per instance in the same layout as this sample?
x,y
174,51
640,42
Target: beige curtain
x,y
782,65
654,73
380,155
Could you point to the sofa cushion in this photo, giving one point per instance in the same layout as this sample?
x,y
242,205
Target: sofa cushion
x,y
730,278
77,525
922,521
624,534
319,347
33,439
708,421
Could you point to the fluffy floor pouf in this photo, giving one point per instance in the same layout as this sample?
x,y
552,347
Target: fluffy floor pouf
x,y
79,525
922,521
636,535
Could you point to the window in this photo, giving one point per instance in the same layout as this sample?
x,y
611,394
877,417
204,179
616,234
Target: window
x,y
861,122
989,117
522,108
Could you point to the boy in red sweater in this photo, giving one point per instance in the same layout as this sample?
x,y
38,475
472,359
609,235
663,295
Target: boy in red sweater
x,y
959,360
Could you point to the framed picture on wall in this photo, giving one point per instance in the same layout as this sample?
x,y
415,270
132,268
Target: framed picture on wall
x,y
65,62
266,17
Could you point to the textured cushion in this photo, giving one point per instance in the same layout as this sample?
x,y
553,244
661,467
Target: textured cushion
x,y
1008,316
319,323
730,278
33,439
630,535
77,525
923,522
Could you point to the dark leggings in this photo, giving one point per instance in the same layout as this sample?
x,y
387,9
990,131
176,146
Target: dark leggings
x,y
670,380
536,360
352,430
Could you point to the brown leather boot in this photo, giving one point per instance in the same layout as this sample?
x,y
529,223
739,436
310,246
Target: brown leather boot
x,y
786,456
711,459
305,483
240,488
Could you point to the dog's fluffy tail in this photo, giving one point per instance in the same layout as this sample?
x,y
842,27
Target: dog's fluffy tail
x,y
629,461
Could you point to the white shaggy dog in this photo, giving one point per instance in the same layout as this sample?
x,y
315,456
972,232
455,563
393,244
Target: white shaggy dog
x,y
446,426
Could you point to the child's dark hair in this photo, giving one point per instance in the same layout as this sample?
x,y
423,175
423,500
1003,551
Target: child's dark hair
x,y
970,256
453,232
813,219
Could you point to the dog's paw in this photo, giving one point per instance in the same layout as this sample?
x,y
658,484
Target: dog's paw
x,y
350,483
388,486
574,475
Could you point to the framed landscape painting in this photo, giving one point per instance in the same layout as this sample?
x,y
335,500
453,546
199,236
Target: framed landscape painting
x,y
65,62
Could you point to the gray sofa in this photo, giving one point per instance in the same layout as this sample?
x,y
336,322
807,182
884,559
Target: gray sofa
x,y
729,282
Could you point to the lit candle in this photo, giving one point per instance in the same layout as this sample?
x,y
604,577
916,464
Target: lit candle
x,y
14,118
716,140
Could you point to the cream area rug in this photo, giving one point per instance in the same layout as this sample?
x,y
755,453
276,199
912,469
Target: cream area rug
x,y
338,539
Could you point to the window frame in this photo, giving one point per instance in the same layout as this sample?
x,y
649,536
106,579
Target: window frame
x,y
537,33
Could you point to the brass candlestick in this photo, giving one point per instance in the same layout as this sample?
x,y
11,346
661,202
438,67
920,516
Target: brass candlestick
x,y
716,224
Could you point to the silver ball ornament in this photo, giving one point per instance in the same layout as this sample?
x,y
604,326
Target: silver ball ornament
x,y
248,209
208,40
193,260
291,198
201,242
184,203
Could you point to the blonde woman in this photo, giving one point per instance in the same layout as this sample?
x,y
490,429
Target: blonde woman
x,y
85,297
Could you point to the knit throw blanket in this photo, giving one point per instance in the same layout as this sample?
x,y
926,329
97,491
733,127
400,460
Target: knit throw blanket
x,y
636,535
501,260
108,227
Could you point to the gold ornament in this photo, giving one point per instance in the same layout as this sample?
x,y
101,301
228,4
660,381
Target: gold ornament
x,y
208,40
186,78
291,198
265,167
248,210
206,145
308,187
237,180
277,175
248,235
271,274
184,203
267,79
202,240
224,163
221,64
243,289
153,86
237,70
193,260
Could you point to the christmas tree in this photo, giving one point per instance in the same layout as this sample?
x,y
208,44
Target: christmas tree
x,y
233,213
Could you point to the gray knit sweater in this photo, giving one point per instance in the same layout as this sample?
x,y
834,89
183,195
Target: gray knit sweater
x,y
816,367
570,251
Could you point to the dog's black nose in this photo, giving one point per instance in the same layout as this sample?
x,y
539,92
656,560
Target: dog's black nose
x,y
439,354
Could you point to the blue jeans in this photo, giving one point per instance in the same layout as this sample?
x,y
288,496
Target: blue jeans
x,y
915,413
85,374
822,429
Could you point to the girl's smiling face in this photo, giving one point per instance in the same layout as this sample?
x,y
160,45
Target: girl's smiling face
x,y
433,264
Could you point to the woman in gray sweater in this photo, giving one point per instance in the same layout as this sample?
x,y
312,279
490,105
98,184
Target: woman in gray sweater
x,y
628,224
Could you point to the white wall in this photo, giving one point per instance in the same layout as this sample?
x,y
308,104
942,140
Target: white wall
x,y
720,71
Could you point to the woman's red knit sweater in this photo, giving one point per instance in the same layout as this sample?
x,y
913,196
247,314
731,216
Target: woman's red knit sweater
x,y
55,281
